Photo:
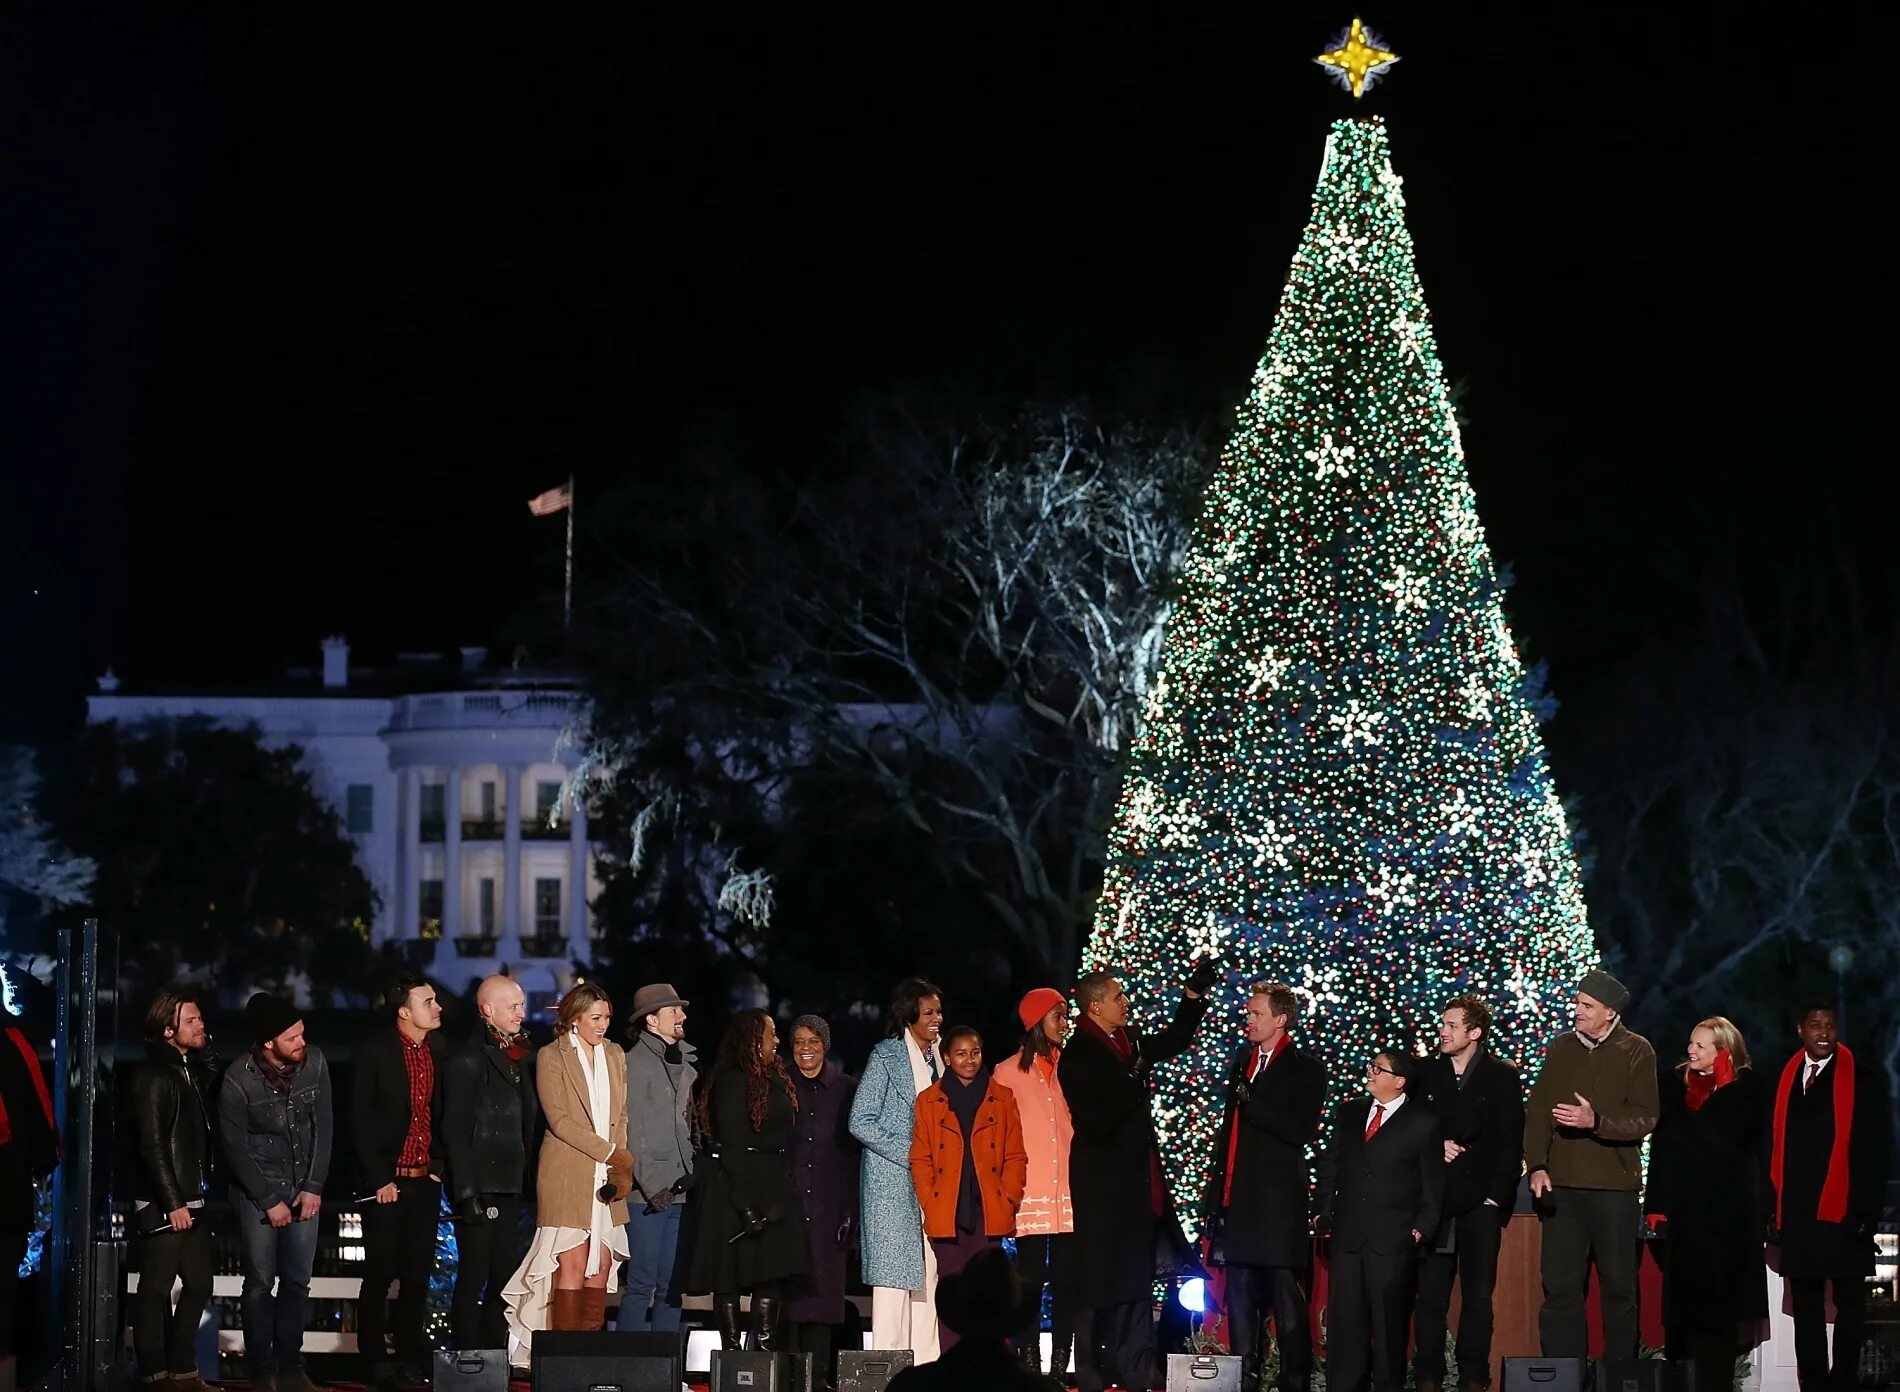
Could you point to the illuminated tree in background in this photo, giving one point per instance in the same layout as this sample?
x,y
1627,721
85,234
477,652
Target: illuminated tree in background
x,y
1339,781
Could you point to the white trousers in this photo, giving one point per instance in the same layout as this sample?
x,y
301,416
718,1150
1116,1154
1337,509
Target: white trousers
x,y
902,1319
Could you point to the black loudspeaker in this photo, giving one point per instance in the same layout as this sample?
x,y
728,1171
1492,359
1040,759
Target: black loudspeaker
x,y
1203,1372
566,1360
471,1370
1543,1375
871,1370
1644,1375
750,1370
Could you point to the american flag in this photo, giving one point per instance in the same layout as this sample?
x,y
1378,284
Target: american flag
x,y
553,501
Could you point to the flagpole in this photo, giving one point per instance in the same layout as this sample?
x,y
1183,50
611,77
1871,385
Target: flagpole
x,y
567,597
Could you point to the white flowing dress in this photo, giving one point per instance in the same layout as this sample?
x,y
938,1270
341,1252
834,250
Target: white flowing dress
x,y
532,1286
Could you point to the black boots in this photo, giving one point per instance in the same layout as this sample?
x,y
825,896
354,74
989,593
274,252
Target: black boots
x,y
726,1308
766,1310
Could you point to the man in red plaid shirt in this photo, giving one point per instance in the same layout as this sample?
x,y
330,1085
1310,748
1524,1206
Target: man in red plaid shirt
x,y
398,1134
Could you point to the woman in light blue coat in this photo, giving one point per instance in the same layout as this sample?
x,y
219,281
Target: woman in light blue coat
x,y
898,1264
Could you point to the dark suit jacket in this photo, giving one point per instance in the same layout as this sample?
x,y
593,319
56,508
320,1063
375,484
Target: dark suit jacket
x,y
1810,1247
490,1121
1374,1193
1265,1223
1486,1117
380,1109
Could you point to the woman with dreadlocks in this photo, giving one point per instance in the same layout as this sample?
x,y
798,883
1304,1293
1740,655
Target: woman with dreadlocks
x,y
751,1232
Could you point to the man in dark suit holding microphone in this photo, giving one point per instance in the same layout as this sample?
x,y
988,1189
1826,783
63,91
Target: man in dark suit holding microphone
x,y
1479,1099
1382,1190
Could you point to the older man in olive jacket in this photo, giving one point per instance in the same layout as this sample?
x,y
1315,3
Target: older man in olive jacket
x,y
1593,1103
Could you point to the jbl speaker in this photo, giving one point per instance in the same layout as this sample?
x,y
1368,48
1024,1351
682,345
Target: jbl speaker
x,y
596,1360
750,1370
871,1370
1644,1375
471,1370
1203,1372
1543,1375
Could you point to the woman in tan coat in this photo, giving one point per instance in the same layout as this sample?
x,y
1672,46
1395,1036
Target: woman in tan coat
x,y
580,1238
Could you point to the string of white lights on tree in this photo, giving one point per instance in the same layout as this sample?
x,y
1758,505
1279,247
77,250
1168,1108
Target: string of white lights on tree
x,y
1339,780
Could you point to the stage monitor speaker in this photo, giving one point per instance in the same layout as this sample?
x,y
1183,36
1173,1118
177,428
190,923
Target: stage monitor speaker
x,y
1543,1375
1203,1372
567,1360
471,1370
1644,1375
751,1370
871,1370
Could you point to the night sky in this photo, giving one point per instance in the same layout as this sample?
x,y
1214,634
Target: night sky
x,y
301,306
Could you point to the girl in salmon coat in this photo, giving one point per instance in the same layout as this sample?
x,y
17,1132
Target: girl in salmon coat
x,y
966,1159
1046,1217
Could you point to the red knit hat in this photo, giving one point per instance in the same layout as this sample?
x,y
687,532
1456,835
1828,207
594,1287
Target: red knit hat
x,y
1039,1003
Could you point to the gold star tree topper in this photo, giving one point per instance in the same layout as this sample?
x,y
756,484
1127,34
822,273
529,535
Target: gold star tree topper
x,y
1358,59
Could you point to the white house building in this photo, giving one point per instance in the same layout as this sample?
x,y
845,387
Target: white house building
x,y
447,776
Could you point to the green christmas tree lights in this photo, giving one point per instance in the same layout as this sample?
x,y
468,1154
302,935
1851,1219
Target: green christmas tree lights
x,y
1339,782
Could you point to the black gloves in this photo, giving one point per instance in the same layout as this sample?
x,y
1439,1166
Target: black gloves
x,y
1241,1093
1206,972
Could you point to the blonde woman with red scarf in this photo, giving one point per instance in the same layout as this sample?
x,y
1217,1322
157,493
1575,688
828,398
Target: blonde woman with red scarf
x,y
1705,1203
1827,1163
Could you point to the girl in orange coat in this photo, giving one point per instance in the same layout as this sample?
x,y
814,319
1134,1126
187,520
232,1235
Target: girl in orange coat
x,y
966,1157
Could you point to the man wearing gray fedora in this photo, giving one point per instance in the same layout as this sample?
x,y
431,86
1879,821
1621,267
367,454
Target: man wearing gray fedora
x,y
660,1077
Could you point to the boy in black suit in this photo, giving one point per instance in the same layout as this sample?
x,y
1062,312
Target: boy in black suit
x,y
1479,1099
1382,1189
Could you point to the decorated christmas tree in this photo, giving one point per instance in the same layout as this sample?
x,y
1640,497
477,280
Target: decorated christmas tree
x,y
1339,782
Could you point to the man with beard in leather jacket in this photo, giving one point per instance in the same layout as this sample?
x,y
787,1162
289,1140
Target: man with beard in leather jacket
x,y
171,1123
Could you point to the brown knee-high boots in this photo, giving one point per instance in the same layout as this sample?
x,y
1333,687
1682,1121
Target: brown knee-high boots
x,y
565,1309
593,1308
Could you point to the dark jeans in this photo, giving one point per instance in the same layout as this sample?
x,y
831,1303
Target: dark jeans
x,y
273,1324
1367,1309
486,1253
167,1342
1809,1299
653,1241
1474,1261
1118,1342
1588,1227
1254,1292
1036,1259
399,1245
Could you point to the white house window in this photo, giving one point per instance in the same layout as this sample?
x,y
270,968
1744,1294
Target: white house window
x,y
485,904
547,907
360,814
429,906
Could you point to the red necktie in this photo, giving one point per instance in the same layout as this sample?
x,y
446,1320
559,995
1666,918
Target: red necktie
x,y
1372,1122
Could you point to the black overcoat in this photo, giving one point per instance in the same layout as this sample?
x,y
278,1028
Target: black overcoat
x,y
1705,1177
1116,1239
1486,1117
824,1158
1267,1217
753,1171
1811,1247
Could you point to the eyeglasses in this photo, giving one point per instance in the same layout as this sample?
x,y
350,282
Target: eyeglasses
x,y
1372,1068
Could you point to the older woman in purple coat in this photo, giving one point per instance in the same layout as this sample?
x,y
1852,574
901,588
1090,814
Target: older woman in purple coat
x,y
824,1159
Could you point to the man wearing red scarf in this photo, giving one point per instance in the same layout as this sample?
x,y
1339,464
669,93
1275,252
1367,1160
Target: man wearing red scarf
x,y
1827,1161
1115,1178
1258,1198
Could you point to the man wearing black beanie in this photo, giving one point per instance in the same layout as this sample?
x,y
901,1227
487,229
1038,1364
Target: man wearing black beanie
x,y
1594,1101
274,1114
